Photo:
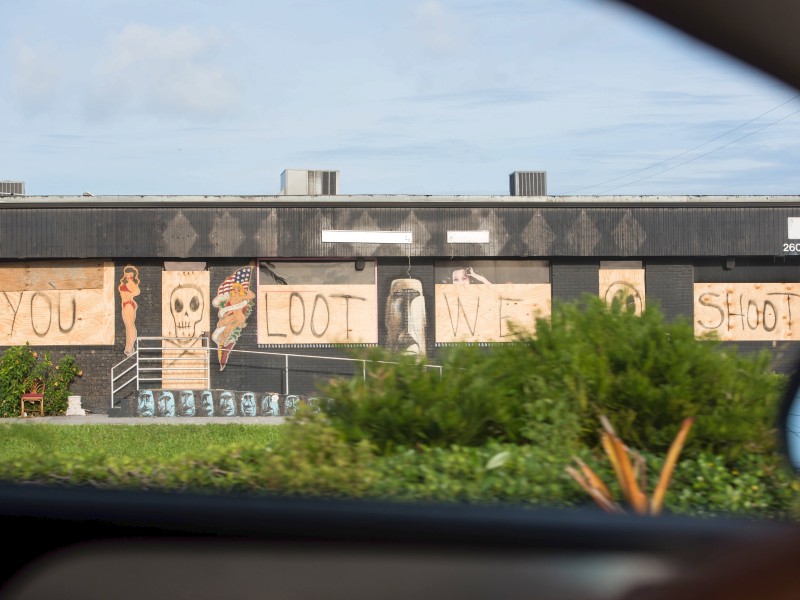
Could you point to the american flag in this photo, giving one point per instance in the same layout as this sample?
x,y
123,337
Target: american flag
x,y
242,276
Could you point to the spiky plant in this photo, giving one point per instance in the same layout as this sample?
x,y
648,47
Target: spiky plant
x,y
630,469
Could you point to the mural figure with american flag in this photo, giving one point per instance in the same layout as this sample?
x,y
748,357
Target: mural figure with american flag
x,y
235,302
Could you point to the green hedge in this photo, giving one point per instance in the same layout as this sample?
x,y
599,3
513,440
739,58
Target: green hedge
x,y
315,460
501,424
588,359
758,485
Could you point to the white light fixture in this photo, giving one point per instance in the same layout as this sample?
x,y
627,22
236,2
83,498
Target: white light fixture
x,y
479,236
342,236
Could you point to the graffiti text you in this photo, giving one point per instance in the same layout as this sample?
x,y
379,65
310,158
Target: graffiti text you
x,y
42,312
58,317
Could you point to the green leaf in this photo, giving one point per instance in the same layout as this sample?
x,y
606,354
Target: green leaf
x,y
498,460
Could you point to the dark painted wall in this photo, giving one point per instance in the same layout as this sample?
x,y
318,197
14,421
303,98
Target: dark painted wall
x,y
571,279
678,245
670,284
222,230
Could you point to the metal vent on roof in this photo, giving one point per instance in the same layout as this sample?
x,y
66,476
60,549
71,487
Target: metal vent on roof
x,y
528,183
322,183
12,188
298,182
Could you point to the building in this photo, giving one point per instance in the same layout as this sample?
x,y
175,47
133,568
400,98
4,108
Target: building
x,y
249,280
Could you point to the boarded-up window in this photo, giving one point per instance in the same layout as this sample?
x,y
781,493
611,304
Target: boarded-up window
x,y
185,318
57,303
748,311
489,300
627,284
317,302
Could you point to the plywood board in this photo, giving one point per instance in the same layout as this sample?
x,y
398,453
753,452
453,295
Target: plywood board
x,y
46,305
629,283
317,314
50,275
748,311
485,313
185,314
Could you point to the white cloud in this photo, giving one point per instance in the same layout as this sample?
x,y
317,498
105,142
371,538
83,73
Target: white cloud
x,y
163,72
438,28
430,9
34,79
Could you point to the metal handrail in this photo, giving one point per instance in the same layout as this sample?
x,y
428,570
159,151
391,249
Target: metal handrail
x,y
115,378
363,361
139,356
137,378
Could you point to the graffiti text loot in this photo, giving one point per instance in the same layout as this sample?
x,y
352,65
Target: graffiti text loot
x,y
317,314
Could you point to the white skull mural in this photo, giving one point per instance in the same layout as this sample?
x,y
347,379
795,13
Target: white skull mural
x,y
186,304
185,319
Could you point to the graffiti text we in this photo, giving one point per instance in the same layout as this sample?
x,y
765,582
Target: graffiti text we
x,y
488,313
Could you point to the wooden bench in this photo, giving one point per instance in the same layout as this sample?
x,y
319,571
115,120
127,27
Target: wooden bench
x,y
35,395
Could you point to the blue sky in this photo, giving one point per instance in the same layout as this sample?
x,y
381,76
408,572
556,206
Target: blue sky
x,y
402,97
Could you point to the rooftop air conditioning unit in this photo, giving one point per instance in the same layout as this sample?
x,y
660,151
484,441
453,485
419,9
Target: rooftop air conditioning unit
x,y
528,183
12,188
299,182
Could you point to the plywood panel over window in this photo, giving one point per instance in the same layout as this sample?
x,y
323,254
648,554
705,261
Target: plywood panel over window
x,y
488,313
488,301
185,315
748,311
627,284
317,302
57,303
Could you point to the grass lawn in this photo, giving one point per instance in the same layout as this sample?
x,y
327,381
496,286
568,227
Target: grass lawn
x,y
134,441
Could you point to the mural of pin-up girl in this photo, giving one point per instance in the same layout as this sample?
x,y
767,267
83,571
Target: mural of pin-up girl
x,y
235,302
466,276
128,290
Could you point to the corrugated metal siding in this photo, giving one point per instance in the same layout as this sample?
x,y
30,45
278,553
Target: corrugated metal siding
x,y
231,231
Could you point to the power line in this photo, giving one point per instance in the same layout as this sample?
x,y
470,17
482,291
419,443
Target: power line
x,y
704,154
666,160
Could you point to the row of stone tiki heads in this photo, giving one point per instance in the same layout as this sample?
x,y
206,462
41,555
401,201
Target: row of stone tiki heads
x,y
219,403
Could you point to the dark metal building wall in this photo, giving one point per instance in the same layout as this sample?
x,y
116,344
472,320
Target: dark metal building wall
x,y
746,270
670,285
679,245
784,356
221,231
572,279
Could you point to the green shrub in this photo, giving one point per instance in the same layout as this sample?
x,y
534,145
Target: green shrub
x,y
471,402
588,359
315,460
647,375
20,366
495,473
708,485
757,486
16,365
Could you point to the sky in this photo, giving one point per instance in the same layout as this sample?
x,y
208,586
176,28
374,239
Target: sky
x,y
201,97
